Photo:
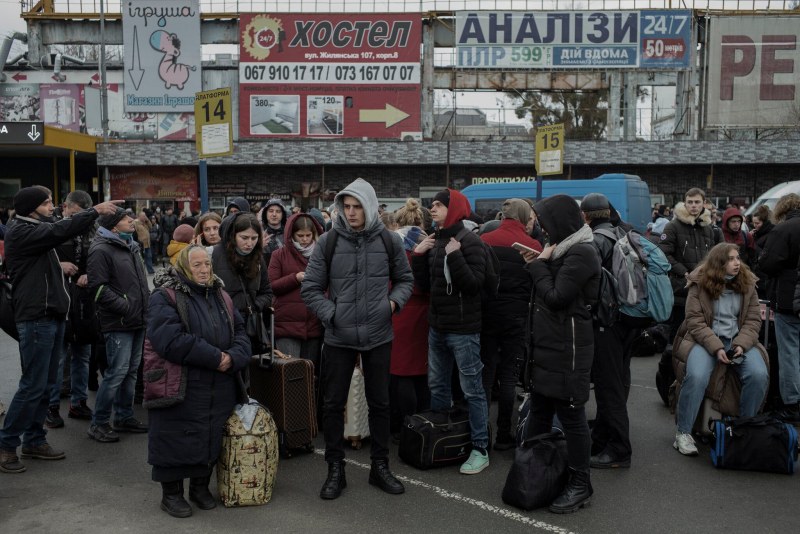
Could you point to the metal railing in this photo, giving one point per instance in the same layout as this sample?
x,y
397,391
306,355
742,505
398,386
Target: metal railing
x,y
412,6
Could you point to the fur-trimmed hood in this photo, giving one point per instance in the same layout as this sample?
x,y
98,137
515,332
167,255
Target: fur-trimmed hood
x,y
682,214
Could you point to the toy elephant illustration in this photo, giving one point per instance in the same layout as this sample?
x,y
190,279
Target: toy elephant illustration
x,y
169,70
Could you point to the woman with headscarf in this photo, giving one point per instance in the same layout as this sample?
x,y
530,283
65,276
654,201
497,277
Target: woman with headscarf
x,y
565,278
239,262
190,324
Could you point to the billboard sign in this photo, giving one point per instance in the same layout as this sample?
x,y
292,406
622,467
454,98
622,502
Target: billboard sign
x,y
753,72
652,39
330,76
161,39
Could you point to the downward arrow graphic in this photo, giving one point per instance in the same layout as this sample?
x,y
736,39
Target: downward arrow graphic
x,y
33,134
136,72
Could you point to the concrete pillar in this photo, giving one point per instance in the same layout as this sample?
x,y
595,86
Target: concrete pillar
x,y
614,93
427,79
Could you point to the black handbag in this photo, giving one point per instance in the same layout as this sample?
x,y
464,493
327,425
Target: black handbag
x,y
436,438
7,320
539,473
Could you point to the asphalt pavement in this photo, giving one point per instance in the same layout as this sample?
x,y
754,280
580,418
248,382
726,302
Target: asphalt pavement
x,y
107,488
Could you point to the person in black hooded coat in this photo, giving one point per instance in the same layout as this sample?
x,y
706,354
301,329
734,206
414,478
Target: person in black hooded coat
x,y
185,439
565,278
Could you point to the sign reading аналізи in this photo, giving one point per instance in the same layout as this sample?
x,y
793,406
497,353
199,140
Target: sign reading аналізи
x,y
653,39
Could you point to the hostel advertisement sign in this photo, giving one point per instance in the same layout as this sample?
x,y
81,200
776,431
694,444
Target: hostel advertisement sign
x,y
161,39
653,39
335,76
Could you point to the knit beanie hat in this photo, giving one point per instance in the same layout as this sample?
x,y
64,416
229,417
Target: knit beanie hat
x,y
183,234
28,199
518,209
443,197
110,221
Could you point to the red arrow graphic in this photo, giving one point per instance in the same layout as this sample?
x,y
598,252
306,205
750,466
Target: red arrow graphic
x,y
18,77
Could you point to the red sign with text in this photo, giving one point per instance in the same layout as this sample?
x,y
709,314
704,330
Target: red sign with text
x,y
329,76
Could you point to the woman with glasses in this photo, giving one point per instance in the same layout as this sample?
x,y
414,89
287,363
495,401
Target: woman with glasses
x,y
719,335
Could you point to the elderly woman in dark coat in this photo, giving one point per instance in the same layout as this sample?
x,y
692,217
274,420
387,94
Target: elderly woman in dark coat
x,y
190,324
565,279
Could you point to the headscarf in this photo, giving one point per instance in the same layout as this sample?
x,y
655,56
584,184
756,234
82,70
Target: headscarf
x,y
182,264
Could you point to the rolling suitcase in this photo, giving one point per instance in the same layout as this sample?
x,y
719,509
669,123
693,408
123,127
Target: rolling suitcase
x,y
286,387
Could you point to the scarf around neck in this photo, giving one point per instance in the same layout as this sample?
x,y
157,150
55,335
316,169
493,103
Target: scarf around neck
x,y
584,235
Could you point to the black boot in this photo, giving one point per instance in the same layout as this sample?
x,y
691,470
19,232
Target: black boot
x,y
576,495
335,482
172,500
199,494
380,476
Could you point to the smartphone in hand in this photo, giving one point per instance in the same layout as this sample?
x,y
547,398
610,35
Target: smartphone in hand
x,y
524,248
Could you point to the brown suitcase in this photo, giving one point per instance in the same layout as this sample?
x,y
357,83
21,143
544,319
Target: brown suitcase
x,y
287,389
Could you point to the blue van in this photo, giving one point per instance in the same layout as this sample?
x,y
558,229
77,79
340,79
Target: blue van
x,y
628,193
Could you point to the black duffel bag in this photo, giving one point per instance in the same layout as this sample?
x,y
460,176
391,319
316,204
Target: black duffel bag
x,y
7,321
539,473
436,438
758,443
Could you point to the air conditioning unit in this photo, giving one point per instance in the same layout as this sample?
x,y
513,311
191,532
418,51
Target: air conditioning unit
x,y
411,136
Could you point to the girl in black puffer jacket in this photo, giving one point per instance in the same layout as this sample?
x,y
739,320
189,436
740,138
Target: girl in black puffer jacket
x,y
565,278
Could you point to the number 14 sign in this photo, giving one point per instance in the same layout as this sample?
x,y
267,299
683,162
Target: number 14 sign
x,y
212,119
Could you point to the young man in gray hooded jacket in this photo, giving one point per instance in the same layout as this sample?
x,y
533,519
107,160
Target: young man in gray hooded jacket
x,y
357,314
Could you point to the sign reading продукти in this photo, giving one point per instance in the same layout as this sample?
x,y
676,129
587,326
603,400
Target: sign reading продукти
x,y
329,75
652,39
21,133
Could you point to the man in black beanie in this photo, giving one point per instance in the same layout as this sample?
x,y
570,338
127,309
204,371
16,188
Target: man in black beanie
x,y
41,303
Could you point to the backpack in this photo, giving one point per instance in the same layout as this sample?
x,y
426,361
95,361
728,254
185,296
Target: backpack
x,y
491,277
606,310
641,270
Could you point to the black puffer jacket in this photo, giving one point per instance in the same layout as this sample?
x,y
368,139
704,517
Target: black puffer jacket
x,y
778,260
190,433
686,241
119,282
455,307
796,305
760,237
32,262
565,286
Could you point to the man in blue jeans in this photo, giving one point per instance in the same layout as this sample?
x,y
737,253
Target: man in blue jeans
x,y
41,303
451,264
119,281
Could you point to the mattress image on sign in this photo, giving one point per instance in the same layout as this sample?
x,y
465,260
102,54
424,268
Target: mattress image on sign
x,y
274,114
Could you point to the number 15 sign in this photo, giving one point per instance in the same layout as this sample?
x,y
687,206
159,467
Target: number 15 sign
x,y
550,149
212,119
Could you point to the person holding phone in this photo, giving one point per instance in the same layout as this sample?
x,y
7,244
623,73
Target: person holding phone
x,y
565,278
723,319
504,317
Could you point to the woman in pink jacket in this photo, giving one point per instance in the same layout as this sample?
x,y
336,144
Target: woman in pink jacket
x,y
298,332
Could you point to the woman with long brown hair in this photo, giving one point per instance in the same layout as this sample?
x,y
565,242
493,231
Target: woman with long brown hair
x,y
723,319
238,260
206,232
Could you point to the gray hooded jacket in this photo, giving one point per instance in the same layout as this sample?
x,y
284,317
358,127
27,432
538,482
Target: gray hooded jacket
x,y
356,311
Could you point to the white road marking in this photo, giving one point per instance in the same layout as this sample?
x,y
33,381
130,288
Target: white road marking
x,y
447,494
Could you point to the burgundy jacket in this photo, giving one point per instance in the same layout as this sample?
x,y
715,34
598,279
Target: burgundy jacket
x,y
292,317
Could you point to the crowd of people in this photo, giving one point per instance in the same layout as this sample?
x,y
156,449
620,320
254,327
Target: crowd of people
x,y
403,292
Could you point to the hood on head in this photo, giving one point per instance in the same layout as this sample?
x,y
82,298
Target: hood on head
x,y
727,215
240,203
226,228
262,213
362,191
287,231
458,209
559,216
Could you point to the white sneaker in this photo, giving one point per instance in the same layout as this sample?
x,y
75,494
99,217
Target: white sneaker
x,y
684,444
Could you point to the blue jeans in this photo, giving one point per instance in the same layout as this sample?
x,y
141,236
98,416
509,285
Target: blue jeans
x,y
148,259
39,347
124,352
78,374
787,331
752,372
465,350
